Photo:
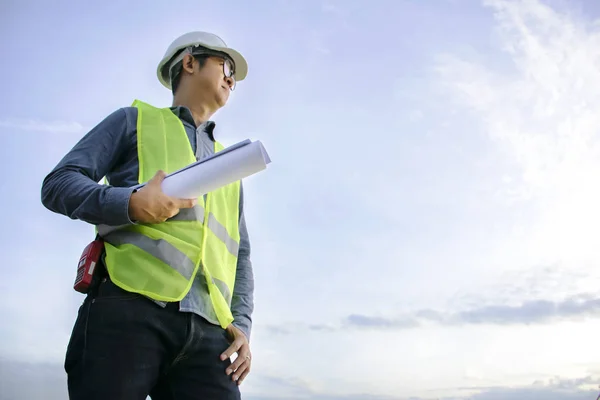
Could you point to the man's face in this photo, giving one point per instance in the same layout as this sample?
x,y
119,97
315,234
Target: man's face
x,y
212,81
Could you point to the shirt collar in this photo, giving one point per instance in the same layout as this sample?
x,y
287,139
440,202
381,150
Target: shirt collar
x,y
185,114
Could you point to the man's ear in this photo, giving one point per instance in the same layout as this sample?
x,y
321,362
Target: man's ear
x,y
187,63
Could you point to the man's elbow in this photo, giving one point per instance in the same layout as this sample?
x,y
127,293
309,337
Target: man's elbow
x,y
50,191
46,192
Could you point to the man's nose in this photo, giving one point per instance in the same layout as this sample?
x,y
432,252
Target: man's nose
x,y
230,82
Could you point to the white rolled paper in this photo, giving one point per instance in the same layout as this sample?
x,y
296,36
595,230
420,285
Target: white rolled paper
x,y
217,172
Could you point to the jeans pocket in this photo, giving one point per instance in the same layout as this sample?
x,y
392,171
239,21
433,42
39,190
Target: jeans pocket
x,y
77,342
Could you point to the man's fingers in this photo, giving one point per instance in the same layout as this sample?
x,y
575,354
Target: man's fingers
x,y
157,178
239,362
243,376
235,346
186,203
238,373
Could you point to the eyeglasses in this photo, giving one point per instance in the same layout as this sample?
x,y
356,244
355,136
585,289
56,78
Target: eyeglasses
x,y
229,71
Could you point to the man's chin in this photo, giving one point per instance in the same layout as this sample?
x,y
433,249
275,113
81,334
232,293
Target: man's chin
x,y
222,101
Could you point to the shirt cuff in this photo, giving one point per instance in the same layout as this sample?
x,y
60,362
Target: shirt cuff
x,y
116,206
244,325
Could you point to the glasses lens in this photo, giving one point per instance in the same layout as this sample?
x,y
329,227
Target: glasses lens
x,y
229,72
228,69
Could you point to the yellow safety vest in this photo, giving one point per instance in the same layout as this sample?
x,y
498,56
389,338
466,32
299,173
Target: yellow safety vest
x,y
161,260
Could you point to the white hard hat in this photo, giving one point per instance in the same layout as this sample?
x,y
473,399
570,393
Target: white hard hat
x,y
204,39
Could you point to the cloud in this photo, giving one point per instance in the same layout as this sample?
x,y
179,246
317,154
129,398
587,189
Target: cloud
x,y
290,328
43,126
538,311
277,330
539,108
549,282
528,312
534,394
322,328
379,322
555,389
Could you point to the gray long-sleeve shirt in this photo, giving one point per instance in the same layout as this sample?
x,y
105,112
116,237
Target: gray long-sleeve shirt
x,y
110,149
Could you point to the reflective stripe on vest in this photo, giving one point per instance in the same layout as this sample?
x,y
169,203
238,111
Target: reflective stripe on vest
x,y
162,260
197,213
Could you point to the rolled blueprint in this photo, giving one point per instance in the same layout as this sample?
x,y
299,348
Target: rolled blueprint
x,y
223,168
227,166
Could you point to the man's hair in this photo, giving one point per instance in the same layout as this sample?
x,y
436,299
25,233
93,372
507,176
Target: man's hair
x,y
177,68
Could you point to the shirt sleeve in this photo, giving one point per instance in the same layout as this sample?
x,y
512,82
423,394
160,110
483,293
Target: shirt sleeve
x,y
242,303
72,187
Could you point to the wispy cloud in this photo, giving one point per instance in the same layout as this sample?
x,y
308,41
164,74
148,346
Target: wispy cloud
x,y
529,312
379,322
321,328
525,313
541,112
42,126
554,389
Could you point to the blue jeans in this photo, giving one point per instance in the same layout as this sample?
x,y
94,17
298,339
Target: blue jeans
x,y
124,346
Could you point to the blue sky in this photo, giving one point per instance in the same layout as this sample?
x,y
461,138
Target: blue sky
x,y
428,226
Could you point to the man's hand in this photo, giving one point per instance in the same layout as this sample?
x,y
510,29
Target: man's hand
x,y
150,205
240,368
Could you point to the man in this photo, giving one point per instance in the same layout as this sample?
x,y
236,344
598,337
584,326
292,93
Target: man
x,y
172,297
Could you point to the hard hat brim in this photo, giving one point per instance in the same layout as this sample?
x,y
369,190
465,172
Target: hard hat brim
x,y
241,65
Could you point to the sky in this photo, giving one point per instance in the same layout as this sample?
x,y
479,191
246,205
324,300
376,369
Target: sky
x,y
428,227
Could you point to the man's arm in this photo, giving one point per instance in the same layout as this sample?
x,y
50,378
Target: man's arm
x,y
242,302
72,188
